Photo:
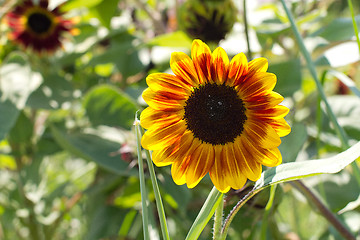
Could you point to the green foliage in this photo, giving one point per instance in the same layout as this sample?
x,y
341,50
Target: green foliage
x,y
68,156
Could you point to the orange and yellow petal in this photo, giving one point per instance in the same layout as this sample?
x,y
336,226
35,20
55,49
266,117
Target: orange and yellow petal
x,y
258,65
161,102
181,165
163,82
158,138
259,84
261,134
281,127
173,152
150,117
219,65
264,101
235,178
238,68
202,160
183,67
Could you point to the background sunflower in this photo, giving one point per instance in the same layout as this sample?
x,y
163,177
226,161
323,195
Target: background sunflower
x,y
68,152
37,27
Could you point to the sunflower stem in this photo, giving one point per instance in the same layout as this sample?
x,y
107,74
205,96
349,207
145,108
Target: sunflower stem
x,y
144,196
247,30
267,212
207,211
158,200
235,210
310,64
354,23
218,218
323,209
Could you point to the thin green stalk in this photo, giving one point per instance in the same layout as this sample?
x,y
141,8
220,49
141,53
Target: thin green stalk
x,y
218,219
235,210
144,196
340,131
354,23
267,212
324,210
158,200
206,212
247,30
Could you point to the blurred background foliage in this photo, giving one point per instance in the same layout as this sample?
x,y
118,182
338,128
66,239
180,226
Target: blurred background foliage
x,y
67,150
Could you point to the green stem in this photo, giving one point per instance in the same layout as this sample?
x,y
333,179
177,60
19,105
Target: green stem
x,y
33,224
247,30
206,212
235,210
354,23
267,212
144,200
218,219
324,210
340,131
158,200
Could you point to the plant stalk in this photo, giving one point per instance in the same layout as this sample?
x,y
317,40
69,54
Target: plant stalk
x,y
247,30
218,219
323,209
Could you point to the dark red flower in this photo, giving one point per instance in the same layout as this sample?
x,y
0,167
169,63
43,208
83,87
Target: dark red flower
x,y
38,28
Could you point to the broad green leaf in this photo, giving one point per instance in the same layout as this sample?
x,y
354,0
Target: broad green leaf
x,y
72,4
93,148
292,143
297,170
288,75
174,39
52,93
122,53
22,131
107,105
205,214
336,189
8,116
341,29
105,11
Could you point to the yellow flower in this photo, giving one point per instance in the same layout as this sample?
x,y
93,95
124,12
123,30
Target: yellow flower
x,y
37,27
214,116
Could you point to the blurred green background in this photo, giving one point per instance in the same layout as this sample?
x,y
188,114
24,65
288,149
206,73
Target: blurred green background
x,y
68,165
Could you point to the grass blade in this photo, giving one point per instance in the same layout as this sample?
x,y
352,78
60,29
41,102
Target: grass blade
x,y
144,195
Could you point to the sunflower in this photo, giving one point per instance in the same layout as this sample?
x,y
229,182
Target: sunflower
x,y
214,116
37,27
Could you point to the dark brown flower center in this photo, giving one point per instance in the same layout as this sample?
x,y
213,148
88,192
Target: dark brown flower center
x,y
39,23
215,114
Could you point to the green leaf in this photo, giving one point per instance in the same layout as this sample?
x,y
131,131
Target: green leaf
x,y
107,105
206,212
288,75
93,148
105,11
8,116
22,131
52,93
120,52
72,4
174,39
341,29
292,143
297,170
